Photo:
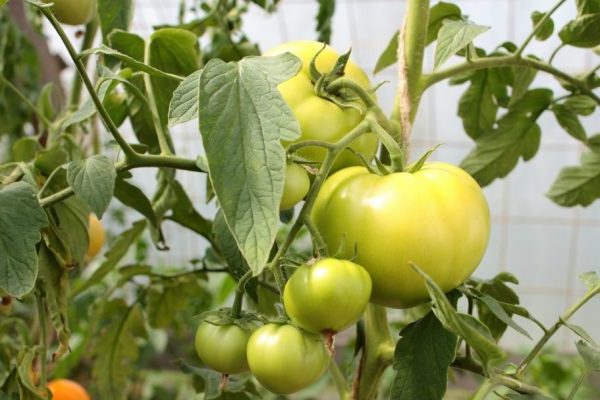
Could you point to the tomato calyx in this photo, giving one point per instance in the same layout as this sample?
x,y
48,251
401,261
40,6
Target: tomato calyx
x,y
421,162
247,320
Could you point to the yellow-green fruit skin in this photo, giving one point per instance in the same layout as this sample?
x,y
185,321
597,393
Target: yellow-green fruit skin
x,y
284,359
73,12
437,219
222,348
297,184
329,295
319,118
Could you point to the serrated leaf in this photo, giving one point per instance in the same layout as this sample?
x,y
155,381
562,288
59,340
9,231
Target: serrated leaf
x,y
21,218
590,354
470,329
389,55
116,349
505,296
421,360
114,14
437,15
117,251
590,279
242,121
477,107
453,37
133,197
544,31
164,301
324,20
184,104
523,77
578,185
93,180
516,136
499,312
583,31
568,120
587,6
173,51
581,104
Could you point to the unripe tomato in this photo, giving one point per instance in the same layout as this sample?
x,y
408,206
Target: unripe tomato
x,y
319,118
327,296
96,236
296,186
285,359
73,12
436,218
222,347
64,389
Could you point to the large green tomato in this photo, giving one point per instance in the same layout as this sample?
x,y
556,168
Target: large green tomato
x,y
437,219
285,359
73,12
327,296
319,118
222,347
296,186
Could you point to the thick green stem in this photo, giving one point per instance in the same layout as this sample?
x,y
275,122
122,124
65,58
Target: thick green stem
x,y
236,309
537,27
377,354
88,40
41,308
127,149
415,40
553,329
484,390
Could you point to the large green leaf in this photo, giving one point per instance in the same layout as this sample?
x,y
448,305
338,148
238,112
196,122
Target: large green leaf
x,y
114,14
583,31
517,135
421,360
588,6
135,198
578,185
174,51
242,121
453,37
477,106
93,180
184,213
167,299
21,218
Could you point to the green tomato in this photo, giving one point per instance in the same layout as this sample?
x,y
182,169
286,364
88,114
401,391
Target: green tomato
x,y
319,118
437,219
73,12
285,359
222,347
296,186
327,296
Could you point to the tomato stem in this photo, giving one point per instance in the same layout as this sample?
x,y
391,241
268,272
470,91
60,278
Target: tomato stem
x,y
41,307
236,309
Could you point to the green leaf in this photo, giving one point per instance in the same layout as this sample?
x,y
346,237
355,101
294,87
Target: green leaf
x,y
88,109
567,119
503,295
116,349
167,299
93,180
25,149
587,6
128,43
21,218
545,30
523,77
477,107
583,31
516,136
590,279
578,185
581,104
593,143
174,51
421,360
324,20
114,14
439,13
389,55
133,197
242,121
117,251
184,213
48,160
579,331
470,329
236,264
184,104
453,37
590,354
499,312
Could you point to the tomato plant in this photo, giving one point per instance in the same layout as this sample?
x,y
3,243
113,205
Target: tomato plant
x,y
295,359
393,221
327,296
315,217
